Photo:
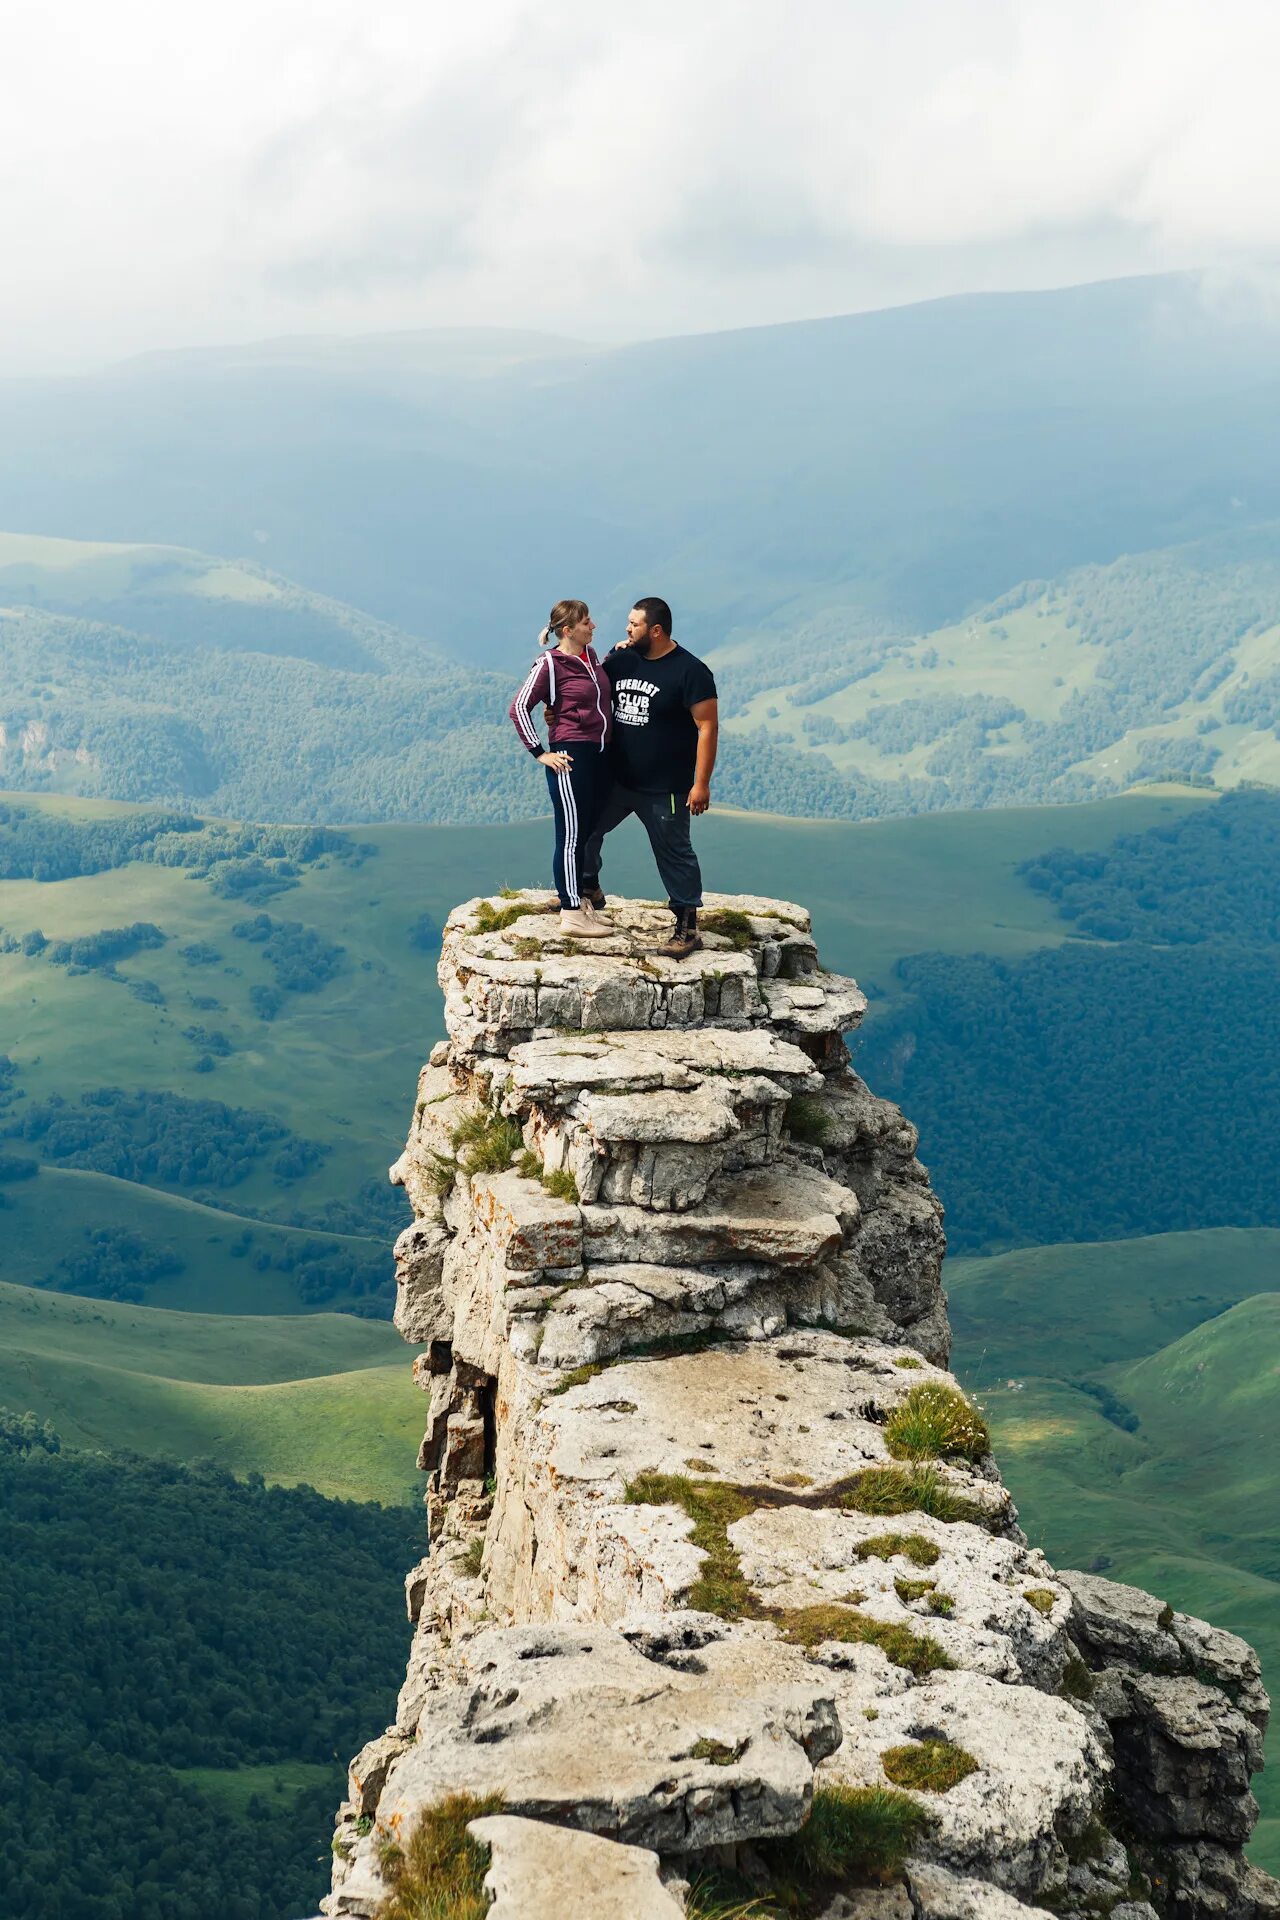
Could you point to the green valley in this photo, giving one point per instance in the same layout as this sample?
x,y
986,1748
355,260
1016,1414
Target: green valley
x,y
1133,1393
324,1399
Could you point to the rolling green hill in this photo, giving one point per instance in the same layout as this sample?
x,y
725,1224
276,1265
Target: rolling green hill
x,y
193,601
223,686
325,1399
1156,665
1134,1393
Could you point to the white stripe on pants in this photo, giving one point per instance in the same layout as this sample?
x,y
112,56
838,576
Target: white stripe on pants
x,y
570,806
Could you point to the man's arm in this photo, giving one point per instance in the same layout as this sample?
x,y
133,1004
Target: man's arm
x,y
706,718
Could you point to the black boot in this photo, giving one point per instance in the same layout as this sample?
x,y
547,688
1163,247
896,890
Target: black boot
x,y
685,938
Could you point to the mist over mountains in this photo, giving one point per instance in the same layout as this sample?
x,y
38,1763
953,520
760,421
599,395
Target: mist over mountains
x,y
990,549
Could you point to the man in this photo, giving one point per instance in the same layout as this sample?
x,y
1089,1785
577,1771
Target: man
x,y
665,728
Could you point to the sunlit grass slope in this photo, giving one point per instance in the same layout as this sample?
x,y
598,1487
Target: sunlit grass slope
x,y
49,1218
1134,1394
322,1398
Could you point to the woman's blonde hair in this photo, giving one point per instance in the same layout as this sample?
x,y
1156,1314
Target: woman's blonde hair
x,y
565,613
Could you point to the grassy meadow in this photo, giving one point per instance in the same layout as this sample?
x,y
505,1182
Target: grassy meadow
x,y
325,1399
1133,1390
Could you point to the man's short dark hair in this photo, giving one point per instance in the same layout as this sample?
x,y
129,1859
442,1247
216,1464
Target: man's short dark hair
x,y
655,611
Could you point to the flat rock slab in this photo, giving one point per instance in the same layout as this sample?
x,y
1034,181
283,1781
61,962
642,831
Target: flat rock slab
x,y
635,923
540,1872
631,1063
502,986
633,1306
798,1557
579,1727
938,1894
831,1004
530,1228
1039,1764
787,1214
789,1414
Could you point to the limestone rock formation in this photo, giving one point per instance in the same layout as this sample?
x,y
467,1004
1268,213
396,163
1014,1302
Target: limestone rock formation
x,y
718,1552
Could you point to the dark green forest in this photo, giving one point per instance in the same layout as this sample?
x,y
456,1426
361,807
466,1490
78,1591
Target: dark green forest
x,y
164,1139
1213,875
36,844
1127,1082
157,1618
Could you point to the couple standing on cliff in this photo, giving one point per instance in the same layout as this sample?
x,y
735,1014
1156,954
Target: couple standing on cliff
x,y
633,733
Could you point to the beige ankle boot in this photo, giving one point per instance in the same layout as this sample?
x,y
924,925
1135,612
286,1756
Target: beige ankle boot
x,y
583,926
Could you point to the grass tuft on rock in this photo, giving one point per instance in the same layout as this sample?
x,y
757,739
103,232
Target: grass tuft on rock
x,y
473,1558
491,919
720,1587
441,1174
439,1872
934,1420
730,924
912,1546
560,1183
852,1833
1077,1682
808,1120
909,1361
810,1626
715,1751
579,1376
909,1590
486,1142
908,1490
928,1766
1041,1598
725,1896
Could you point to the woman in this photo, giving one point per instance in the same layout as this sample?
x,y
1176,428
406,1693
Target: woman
x,y
568,679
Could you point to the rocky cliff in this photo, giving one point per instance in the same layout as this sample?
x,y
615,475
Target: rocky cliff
x,y
725,1601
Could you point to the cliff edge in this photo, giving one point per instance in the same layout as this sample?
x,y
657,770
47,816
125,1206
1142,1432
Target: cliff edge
x,y
725,1599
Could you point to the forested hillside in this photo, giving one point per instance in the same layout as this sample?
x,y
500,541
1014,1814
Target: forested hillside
x,y
190,1661
1125,1082
1159,666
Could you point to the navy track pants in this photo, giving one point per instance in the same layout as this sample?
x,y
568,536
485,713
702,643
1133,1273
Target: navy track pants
x,y
665,818
577,799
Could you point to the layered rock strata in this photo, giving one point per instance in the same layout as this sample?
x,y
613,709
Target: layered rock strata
x,y
698,1549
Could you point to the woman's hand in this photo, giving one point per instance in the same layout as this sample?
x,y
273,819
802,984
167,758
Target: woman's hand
x,y
558,762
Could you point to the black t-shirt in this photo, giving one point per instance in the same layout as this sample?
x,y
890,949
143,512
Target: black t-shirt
x,y
655,742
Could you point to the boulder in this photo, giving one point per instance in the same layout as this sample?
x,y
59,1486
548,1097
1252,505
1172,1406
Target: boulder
x,y
577,1726
540,1872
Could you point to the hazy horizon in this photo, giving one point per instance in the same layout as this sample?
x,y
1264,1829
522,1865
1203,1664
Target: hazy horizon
x,y
190,178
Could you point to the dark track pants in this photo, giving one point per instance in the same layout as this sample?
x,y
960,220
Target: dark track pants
x,y
665,818
577,798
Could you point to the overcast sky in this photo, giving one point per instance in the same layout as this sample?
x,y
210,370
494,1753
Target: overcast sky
x,y
180,172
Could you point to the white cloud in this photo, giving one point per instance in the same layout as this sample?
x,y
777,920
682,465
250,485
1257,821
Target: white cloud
x,y
198,173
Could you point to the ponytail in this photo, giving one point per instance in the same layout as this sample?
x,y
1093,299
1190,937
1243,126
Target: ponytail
x,y
565,613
